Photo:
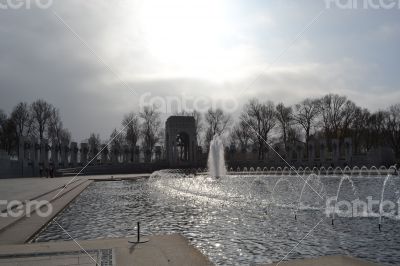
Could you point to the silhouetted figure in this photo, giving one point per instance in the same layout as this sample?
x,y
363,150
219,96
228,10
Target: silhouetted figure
x,y
52,172
47,172
41,171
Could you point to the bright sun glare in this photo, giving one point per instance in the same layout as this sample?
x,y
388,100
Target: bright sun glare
x,y
187,35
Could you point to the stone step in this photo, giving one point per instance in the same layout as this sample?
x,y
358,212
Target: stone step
x,y
36,196
25,227
49,196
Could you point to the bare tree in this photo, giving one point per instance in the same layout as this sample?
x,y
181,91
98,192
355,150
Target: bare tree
x,y
217,122
241,136
3,118
306,114
260,120
65,136
3,121
393,128
284,116
3,130
150,130
8,140
132,131
337,115
21,117
41,114
349,114
55,128
375,129
359,129
94,143
116,142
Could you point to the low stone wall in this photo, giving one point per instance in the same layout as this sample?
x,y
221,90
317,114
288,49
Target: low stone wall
x,y
107,169
13,168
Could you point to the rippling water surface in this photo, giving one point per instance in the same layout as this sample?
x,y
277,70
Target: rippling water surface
x,y
237,219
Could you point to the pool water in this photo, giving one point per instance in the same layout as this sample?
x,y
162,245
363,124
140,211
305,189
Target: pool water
x,y
237,219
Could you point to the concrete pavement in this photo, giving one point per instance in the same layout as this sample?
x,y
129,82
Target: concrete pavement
x,y
160,250
17,229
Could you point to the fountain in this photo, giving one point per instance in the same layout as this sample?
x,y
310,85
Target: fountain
x,y
306,182
381,201
255,205
216,159
344,177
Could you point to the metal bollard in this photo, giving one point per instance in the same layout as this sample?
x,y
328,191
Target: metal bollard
x,y
138,238
138,232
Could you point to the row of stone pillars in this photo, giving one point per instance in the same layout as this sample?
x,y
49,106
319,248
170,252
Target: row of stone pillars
x,y
41,153
344,150
70,155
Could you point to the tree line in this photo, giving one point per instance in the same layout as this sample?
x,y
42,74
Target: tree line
x,y
330,117
39,119
260,122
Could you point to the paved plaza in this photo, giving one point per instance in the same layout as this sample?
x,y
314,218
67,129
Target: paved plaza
x,y
160,250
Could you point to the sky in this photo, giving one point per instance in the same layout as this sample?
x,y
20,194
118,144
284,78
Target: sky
x,y
96,60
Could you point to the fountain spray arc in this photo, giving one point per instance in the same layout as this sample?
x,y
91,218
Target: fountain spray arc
x,y
216,158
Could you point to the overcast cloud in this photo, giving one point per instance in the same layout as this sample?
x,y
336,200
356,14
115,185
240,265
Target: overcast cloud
x,y
213,49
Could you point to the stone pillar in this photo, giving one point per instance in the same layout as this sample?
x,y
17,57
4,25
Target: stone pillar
x,y
322,151
137,154
126,154
120,155
348,148
114,155
158,153
287,152
64,149
44,153
35,156
335,150
54,155
84,153
311,152
104,153
74,154
33,151
26,149
300,153
290,152
21,148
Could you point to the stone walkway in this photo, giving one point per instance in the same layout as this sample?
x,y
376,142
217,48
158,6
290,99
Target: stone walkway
x,y
18,229
160,250
28,188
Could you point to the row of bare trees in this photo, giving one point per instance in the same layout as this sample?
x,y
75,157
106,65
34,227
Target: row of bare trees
x,y
143,127
331,116
39,119
259,123
262,124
